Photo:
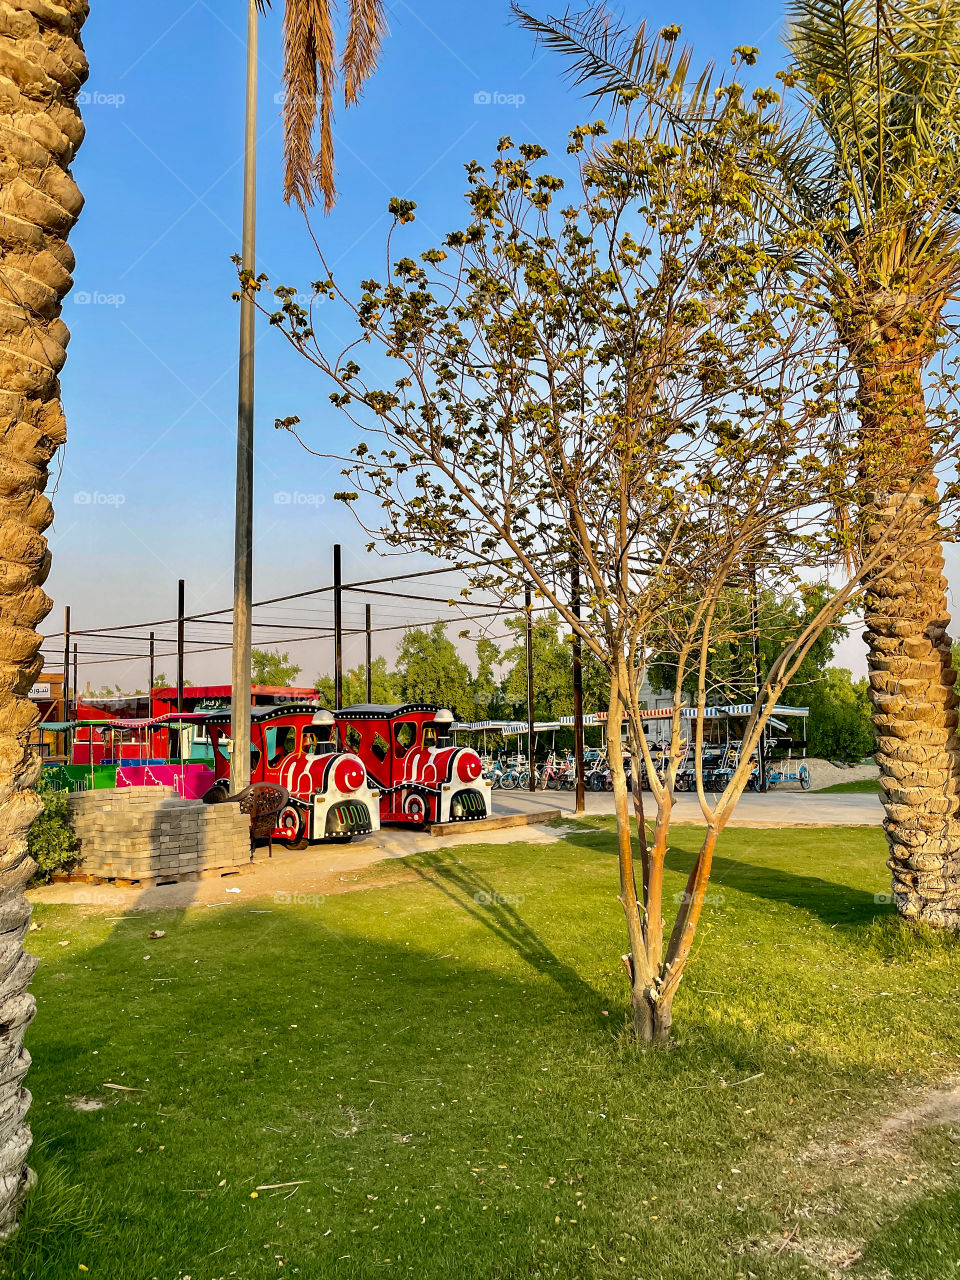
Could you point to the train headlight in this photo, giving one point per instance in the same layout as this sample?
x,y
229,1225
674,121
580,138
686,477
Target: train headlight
x,y
456,809
349,775
469,767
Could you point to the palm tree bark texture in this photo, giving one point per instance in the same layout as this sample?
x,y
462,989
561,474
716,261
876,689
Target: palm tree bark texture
x,y
911,674
42,69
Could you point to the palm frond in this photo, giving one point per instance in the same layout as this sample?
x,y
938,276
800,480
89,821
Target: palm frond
x,y
362,50
883,78
309,73
609,59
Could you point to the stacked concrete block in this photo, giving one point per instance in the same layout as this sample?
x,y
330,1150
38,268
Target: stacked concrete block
x,y
149,833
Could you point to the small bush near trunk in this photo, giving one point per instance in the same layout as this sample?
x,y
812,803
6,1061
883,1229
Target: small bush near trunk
x,y
51,841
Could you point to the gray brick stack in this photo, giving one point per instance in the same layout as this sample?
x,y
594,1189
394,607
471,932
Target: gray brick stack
x,y
148,833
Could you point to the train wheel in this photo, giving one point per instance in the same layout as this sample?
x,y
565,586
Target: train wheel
x,y
217,793
292,823
415,807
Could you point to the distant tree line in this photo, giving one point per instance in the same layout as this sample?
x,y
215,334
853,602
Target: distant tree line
x,y
429,668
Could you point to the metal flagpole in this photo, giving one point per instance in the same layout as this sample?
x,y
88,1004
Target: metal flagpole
x,y
243,540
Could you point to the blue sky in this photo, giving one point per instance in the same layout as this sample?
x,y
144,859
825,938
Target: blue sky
x,y
146,490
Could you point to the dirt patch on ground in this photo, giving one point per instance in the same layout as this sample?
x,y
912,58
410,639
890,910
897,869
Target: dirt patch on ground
x,y
890,1141
80,1103
879,1167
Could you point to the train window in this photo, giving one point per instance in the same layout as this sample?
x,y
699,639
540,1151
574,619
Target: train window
x,y
381,747
404,736
281,741
354,738
316,742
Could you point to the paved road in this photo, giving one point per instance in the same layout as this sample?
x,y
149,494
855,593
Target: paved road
x,y
775,809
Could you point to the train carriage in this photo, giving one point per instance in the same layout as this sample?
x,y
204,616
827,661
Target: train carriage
x,y
296,747
421,775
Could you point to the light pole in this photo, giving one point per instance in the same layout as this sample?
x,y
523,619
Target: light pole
x,y
243,541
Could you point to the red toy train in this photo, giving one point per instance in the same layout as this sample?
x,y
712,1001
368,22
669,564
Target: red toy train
x,y
421,776
348,772
295,746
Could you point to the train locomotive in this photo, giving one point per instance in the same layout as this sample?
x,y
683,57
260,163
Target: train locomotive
x,y
420,775
295,746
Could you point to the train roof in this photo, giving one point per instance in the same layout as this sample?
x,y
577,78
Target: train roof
x,y
270,712
385,711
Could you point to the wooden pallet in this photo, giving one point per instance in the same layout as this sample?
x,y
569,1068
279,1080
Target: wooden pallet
x,y
151,882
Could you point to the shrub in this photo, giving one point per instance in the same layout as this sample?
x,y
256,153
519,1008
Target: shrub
x,y
840,726
51,842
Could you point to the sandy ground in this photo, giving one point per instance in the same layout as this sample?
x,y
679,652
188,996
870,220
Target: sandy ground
x,y
327,869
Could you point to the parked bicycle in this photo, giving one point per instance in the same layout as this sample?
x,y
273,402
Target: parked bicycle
x,y
516,776
557,776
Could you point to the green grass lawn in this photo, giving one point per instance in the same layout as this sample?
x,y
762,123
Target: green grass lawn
x,y
431,1079
860,787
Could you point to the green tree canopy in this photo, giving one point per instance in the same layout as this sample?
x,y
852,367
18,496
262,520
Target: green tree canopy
x,y
273,668
840,727
430,669
552,671
384,684
780,617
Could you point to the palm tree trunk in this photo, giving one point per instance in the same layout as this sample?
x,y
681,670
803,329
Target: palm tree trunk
x,y
42,68
911,676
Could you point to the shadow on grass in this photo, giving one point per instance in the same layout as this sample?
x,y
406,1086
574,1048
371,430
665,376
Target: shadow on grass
x,y
480,899
236,1039
920,1243
315,1044
834,903
372,1056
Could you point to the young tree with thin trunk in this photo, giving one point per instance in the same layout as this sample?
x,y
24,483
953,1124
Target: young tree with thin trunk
x,y
877,147
628,382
